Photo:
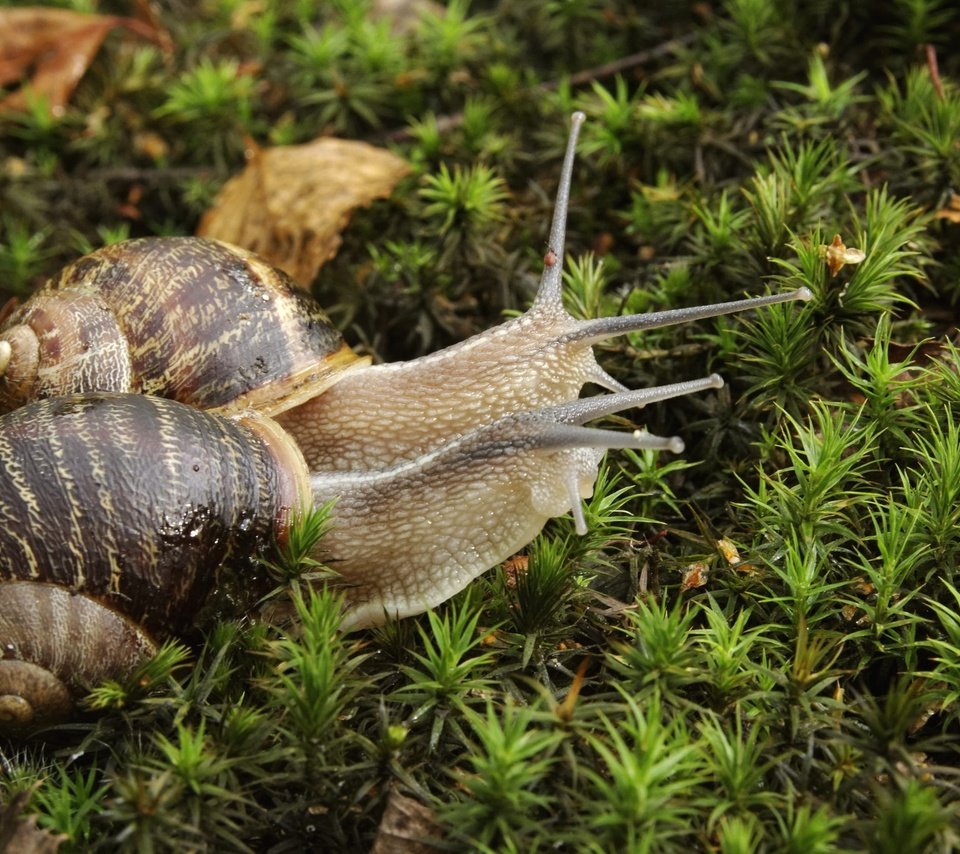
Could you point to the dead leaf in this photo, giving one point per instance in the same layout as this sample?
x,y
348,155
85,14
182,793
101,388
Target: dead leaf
x,y
407,827
849,612
514,567
729,552
695,575
49,50
291,202
21,835
951,211
404,15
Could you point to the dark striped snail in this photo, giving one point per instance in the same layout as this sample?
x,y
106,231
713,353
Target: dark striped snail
x,y
194,320
116,509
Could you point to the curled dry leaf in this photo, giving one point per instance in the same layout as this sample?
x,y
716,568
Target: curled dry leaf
x,y
729,551
695,575
950,211
514,567
47,51
19,835
291,202
849,612
407,826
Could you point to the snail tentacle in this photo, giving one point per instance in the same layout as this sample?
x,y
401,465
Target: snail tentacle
x,y
117,509
381,415
550,293
599,329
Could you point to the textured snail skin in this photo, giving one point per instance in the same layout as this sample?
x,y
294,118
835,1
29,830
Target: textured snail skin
x,y
117,509
406,538
382,415
211,325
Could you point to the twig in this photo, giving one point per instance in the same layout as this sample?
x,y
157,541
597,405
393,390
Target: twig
x,y
934,70
622,64
133,174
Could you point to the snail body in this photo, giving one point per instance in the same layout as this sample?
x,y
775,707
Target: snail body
x,y
211,325
117,505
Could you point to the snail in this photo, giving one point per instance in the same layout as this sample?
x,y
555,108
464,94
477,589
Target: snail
x,y
185,318
211,325
117,508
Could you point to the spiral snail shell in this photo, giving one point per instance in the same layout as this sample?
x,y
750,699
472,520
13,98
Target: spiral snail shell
x,y
185,318
117,508
114,509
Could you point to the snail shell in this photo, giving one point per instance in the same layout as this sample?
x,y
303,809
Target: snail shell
x,y
186,318
115,511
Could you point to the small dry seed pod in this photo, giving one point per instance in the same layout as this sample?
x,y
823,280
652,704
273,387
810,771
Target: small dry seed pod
x,y
186,318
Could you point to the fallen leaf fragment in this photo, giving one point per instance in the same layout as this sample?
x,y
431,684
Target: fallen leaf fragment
x,y
20,835
695,575
291,202
514,567
729,552
837,255
407,827
951,211
47,51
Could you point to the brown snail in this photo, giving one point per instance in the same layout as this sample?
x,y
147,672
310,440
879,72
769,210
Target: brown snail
x,y
194,320
116,508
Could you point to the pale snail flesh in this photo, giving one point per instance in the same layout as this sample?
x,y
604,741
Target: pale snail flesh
x,y
441,468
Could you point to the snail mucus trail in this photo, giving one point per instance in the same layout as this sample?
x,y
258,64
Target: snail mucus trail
x,y
116,509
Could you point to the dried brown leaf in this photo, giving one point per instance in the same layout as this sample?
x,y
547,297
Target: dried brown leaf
x,y
291,202
20,835
514,567
407,827
950,211
729,552
695,575
47,51
404,15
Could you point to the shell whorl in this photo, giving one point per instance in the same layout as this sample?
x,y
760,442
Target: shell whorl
x,y
185,318
116,511
135,501
53,645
